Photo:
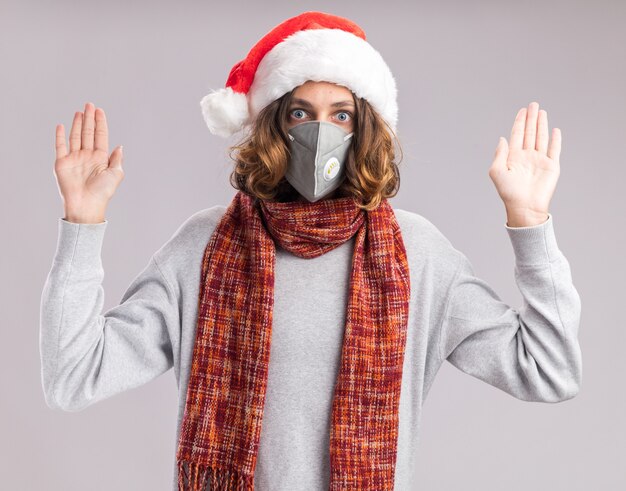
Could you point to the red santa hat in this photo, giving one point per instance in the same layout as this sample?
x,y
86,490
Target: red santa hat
x,y
311,46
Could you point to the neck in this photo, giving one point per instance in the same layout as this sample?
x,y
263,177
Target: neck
x,y
335,194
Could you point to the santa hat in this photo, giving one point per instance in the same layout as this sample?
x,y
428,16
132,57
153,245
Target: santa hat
x,y
311,46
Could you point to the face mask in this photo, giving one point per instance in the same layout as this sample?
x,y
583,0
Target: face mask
x,y
318,153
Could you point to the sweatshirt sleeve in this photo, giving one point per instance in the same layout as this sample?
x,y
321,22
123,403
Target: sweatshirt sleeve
x,y
88,355
531,352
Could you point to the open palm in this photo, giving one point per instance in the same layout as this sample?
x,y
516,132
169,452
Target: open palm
x,y
526,170
87,176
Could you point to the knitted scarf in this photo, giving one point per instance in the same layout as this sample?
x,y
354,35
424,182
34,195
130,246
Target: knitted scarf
x,y
221,426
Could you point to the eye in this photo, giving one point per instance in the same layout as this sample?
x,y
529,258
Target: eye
x,y
344,119
295,113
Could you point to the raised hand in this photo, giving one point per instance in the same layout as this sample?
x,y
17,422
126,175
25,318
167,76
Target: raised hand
x,y
86,175
525,172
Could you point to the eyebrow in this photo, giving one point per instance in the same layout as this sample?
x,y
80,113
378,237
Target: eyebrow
x,y
306,103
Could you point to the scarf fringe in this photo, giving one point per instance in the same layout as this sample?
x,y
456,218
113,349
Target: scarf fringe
x,y
193,476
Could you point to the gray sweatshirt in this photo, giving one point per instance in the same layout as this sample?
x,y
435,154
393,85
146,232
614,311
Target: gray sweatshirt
x,y
531,352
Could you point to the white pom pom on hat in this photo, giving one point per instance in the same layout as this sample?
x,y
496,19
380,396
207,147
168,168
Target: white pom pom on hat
x,y
311,46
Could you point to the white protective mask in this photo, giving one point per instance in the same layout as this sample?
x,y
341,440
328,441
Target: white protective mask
x,y
318,153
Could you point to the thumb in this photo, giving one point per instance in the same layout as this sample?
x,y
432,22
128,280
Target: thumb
x,y
116,158
501,154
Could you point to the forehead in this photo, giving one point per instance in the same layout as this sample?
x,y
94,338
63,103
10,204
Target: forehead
x,y
322,90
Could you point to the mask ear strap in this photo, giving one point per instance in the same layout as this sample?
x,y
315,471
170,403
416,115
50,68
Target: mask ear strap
x,y
346,137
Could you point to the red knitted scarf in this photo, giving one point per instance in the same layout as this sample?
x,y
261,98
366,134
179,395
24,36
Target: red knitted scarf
x,y
221,426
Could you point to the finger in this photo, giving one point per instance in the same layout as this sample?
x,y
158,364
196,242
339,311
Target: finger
x,y
501,154
530,131
517,132
542,132
75,131
116,158
101,140
554,151
61,148
89,125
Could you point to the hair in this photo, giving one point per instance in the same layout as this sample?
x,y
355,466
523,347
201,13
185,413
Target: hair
x,y
262,157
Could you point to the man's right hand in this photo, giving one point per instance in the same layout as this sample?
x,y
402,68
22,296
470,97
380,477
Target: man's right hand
x,y
87,176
